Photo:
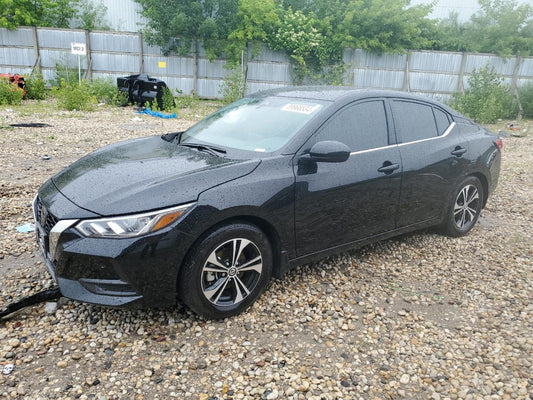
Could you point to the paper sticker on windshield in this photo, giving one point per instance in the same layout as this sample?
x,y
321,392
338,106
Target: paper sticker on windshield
x,y
301,108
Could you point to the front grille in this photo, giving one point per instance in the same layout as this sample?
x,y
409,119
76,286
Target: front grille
x,y
45,218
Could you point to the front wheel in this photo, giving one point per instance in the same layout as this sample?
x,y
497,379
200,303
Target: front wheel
x,y
226,271
465,208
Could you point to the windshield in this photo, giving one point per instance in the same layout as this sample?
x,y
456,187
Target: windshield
x,y
262,125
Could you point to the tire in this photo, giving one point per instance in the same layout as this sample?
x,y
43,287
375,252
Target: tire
x,y
226,271
464,209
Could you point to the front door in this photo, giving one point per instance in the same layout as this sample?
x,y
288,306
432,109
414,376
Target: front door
x,y
339,203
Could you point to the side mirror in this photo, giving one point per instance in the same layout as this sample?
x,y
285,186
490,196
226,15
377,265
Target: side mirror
x,y
327,151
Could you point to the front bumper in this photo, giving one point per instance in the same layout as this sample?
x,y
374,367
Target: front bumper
x,y
113,272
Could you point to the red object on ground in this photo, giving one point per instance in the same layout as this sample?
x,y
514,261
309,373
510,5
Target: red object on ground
x,y
15,79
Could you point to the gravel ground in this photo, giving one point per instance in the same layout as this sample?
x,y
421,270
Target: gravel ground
x,y
418,317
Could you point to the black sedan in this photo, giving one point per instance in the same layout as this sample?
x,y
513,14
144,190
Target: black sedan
x,y
269,182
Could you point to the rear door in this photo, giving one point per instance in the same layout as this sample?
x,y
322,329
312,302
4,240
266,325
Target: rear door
x,y
434,154
338,203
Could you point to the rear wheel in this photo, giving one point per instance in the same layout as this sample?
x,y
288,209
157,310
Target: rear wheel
x,y
226,271
465,208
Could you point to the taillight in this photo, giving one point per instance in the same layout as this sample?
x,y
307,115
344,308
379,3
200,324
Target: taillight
x,y
499,144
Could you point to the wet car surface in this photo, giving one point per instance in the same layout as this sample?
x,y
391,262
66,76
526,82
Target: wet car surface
x,y
270,182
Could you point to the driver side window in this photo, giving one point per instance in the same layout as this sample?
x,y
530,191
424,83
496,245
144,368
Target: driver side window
x,y
360,126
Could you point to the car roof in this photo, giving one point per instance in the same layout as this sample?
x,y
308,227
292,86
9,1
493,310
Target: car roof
x,y
345,94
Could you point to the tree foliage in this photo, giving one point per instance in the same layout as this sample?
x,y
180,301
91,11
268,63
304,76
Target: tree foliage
x,y
504,27
386,26
255,21
376,25
453,34
315,33
298,36
91,17
175,24
54,13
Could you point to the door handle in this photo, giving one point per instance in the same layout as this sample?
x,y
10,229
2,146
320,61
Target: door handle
x,y
388,167
459,151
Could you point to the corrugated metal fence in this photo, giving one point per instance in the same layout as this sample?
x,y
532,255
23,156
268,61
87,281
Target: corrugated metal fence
x,y
114,54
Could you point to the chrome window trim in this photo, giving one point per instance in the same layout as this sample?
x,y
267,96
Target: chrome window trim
x,y
374,149
446,132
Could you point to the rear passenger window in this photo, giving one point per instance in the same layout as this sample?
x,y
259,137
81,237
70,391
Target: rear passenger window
x,y
361,126
413,121
442,121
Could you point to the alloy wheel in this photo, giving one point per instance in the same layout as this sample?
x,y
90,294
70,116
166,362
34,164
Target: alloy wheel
x,y
231,272
466,207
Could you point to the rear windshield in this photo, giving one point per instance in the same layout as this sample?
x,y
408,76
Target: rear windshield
x,y
261,125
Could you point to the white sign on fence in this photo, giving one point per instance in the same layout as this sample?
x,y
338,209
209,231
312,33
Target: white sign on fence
x,y
78,49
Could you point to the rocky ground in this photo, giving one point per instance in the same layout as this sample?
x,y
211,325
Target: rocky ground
x,y
418,317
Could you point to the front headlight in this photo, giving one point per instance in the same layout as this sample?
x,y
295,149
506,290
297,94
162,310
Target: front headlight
x,y
131,225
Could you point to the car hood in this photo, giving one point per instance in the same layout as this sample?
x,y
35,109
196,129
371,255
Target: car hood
x,y
144,174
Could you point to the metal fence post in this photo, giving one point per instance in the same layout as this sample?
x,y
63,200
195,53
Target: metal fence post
x,y
352,67
88,72
195,67
141,54
516,71
460,84
514,87
37,63
405,87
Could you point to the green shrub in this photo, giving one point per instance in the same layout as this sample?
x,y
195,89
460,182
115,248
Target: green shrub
x,y
10,94
152,106
35,86
168,99
186,101
233,87
104,90
122,98
167,102
75,97
526,98
487,99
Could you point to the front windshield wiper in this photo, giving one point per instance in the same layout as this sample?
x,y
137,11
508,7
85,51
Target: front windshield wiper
x,y
205,147
176,137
